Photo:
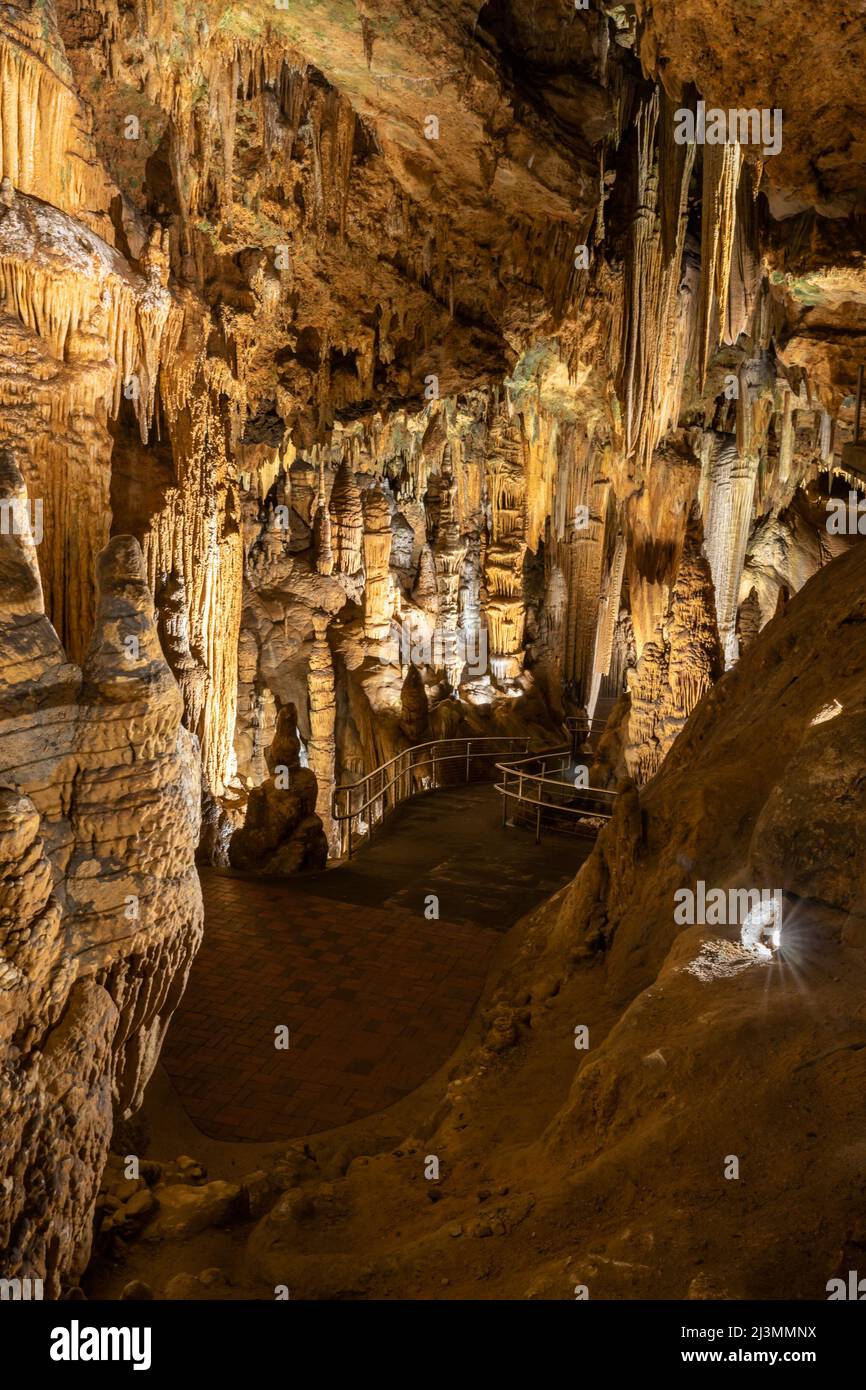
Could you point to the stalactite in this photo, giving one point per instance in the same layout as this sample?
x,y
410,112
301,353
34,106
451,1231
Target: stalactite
x,y
788,437
608,614
254,719
826,437
45,145
324,550
72,289
196,535
643,268
470,588
657,319
721,174
623,657
745,262
727,519
225,93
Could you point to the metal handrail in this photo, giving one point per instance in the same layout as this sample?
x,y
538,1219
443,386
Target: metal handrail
x,y
402,771
581,730
584,803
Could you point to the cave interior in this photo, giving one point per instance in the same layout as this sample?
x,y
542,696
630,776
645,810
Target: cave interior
x,y
433,632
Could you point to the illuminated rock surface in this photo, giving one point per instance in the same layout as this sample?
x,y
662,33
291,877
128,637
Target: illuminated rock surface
x,y
101,905
389,375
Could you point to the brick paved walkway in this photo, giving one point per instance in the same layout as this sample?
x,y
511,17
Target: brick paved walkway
x,y
374,1002
375,997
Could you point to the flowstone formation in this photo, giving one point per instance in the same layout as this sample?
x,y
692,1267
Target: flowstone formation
x,y
281,833
285,285
100,906
379,376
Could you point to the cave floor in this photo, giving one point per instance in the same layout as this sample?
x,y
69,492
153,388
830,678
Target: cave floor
x,y
376,995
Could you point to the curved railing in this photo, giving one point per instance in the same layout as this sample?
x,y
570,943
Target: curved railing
x,y
359,807
582,730
535,790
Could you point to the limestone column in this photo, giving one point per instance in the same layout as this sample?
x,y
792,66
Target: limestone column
x,y
322,529
323,710
448,553
377,557
425,594
506,608
347,521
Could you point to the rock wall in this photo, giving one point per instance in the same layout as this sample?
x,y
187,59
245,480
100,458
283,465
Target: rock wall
x,y
256,280
100,907
418,406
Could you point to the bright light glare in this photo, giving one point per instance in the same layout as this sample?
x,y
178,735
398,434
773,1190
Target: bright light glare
x,y
763,924
827,712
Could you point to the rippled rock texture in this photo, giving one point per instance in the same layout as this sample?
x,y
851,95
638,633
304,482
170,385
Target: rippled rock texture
x,y
100,906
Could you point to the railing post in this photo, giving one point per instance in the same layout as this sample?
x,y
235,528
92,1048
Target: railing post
x,y
468,746
538,825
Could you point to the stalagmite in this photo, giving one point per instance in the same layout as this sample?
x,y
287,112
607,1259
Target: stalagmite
x,y
695,662
189,672
281,834
414,708
105,878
